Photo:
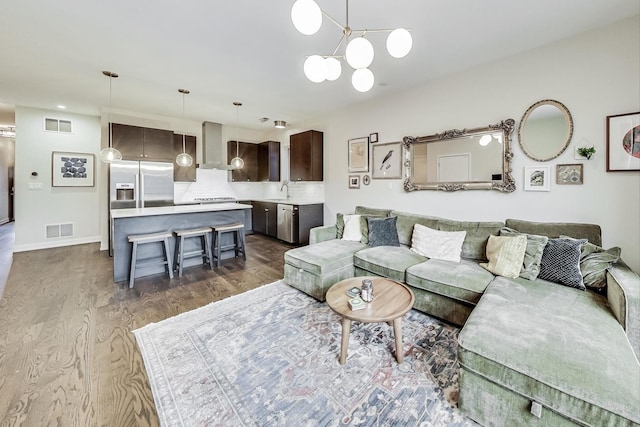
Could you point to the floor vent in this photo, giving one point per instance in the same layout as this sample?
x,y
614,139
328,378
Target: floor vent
x,y
55,125
59,230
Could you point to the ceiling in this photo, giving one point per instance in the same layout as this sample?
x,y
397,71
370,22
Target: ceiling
x,y
249,51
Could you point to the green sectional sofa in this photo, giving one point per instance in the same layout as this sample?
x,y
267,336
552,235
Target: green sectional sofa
x,y
531,352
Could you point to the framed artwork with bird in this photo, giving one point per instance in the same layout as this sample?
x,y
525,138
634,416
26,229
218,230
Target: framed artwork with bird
x,y
387,161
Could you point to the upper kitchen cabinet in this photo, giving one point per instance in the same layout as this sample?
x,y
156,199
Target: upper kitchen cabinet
x,y
140,143
305,156
184,173
269,161
247,152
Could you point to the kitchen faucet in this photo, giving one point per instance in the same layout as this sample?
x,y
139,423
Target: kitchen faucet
x,y
285,183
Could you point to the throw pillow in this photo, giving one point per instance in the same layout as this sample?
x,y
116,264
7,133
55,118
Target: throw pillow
x,y
351,228
443,245
505,255
532,255
364,227
339,225
594,262
561,262
383,231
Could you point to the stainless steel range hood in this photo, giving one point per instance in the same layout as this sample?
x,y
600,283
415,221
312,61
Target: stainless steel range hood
x,y
213,152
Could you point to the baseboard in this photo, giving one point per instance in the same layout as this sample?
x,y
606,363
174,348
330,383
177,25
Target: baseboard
x,y
4,221
56,244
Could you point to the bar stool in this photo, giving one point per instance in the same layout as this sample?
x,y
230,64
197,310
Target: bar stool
x,y
141,239
238,238
205,247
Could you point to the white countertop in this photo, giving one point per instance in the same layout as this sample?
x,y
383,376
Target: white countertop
x,y
291,201
180,209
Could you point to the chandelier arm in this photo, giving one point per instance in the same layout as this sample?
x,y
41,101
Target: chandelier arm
x,y
330,18
379,30
339,44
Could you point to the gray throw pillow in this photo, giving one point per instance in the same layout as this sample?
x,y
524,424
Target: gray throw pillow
x,y
383,231
594,262
532,254
561,262
364,227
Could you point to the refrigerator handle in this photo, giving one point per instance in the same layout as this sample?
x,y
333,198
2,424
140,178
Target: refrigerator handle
x,y
140,185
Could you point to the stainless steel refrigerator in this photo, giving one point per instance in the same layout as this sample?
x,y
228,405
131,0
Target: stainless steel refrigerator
x,y
134,184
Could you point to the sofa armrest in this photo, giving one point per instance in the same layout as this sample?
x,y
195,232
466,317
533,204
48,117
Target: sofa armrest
x,y
320,234
623,294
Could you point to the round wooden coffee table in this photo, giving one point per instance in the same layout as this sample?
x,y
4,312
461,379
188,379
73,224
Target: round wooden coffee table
x,y
391,301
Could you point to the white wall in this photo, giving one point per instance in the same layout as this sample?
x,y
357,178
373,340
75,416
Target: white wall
x,y
34,209
594,75
6,162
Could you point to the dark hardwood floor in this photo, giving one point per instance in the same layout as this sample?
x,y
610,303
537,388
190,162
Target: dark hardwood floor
x,y
67,354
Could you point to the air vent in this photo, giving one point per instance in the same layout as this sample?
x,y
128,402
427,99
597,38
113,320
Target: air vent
x,y
59,230
55,125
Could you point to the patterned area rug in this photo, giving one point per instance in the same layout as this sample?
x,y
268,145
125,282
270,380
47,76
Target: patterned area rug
x,y
269,357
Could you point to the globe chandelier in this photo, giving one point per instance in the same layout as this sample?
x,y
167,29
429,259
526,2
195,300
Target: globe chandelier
x,y
307,18
184,159
110,154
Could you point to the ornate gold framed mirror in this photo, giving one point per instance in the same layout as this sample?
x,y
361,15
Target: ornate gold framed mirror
x,y
467,159
545,130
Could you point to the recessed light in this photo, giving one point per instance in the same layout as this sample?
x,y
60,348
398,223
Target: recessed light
x,y
62,107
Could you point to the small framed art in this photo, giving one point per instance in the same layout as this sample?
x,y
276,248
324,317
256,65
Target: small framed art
x,y
387,161
536,178
354,181
623,142
373,137
569,174
359,155
72,169
366,180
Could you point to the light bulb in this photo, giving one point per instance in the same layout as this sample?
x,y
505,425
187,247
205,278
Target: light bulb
x,y
306,16
399,43
237,163
359,53
362,79
334,68
110,154
184,159
315,68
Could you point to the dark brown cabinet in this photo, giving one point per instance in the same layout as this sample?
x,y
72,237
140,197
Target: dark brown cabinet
x,y
305,156
140,143
184,173
304,218
247,152
265,218
269,161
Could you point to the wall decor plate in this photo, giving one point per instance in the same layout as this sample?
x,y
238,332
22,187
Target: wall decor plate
x,y
536,178
387,161
366,180
359,154
569,174
72,169
623,142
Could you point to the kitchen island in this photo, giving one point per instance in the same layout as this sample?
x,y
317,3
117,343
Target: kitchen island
x,y
127,222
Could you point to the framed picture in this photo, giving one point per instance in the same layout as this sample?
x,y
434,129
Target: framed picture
x,y
359,155
536,178
569,174
387,161
354,181
623,142
72,169
366,180
373,137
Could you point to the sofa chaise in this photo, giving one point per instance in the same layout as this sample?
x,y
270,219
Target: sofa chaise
x,y
531,351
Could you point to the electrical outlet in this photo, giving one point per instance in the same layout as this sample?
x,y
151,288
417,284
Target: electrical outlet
x,y
35,186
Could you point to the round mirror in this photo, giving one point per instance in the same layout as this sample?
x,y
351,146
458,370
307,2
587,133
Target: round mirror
x,y
545,130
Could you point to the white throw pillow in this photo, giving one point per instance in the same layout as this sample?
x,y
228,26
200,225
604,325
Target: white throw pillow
x,y
352,228
506,255
436,244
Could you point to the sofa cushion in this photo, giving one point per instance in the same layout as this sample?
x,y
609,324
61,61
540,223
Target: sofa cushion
x,y
591,232
363,210
383,232
532,254
406,221
506,254
561,262
561,348
436,244
594,262
387,261
463,281
475,242
323,257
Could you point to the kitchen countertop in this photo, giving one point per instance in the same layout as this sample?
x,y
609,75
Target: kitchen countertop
x,y
178,209
290,201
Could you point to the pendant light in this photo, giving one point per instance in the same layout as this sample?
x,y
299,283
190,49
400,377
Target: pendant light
x,y
237,162
184,159
110,154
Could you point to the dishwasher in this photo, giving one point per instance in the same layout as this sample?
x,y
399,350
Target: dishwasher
x,y
285,223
